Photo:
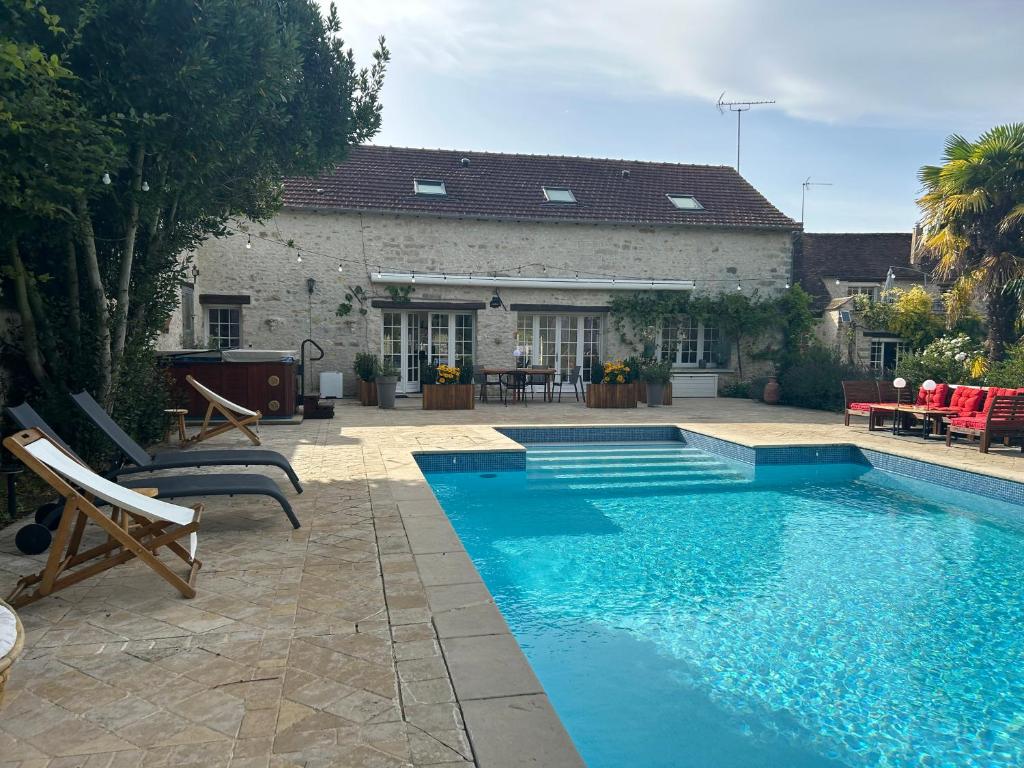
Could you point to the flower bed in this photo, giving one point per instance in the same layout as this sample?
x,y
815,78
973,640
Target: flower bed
x,y
450,390
611,396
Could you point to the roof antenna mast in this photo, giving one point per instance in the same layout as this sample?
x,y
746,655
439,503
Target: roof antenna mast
x,y
807,184
739,107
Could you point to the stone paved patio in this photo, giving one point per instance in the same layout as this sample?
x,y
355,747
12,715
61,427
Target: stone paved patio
x,y
335,644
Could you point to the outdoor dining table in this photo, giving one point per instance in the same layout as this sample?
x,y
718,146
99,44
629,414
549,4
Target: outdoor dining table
x,y
931,418
548,374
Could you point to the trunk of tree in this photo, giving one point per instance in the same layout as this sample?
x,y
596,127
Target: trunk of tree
x,y
739,358
73,290
124,280
1001,310
99,295
28,322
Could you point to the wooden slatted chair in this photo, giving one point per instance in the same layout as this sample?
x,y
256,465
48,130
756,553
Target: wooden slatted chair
x,y
1004,421
238,417
137,527
858,397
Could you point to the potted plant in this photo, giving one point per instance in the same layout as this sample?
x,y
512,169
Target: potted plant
x,y
657,376
613,389
386,382
366,367
448,387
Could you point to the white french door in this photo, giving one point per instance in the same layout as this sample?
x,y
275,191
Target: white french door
x,y
413,340
561,342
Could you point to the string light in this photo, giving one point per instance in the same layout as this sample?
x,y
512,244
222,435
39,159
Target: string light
x,y
298,258
341,267
145,186
106,178
248,243
739,286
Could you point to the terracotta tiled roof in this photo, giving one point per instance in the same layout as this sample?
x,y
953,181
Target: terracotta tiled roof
x,y
504,186
848,256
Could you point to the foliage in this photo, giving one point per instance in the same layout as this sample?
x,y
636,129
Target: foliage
x,y
387,371
655,372
596,369
740,318
973,207
400,293
795,323
466,371
815,379
950,359
736,389
905,313
443,374
614,372
128,136
355,295
366,366
633,365
1008,372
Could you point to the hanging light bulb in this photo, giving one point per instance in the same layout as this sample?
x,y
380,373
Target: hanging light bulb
x,y
248,243
739,286
341,267
145,186
414,277
106,178
298,259
787,286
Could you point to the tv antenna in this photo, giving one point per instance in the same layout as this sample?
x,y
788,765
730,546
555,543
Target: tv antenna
x,y
807,183
739,107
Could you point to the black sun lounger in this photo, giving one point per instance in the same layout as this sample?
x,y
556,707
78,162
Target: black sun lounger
x,y
175,486
140,461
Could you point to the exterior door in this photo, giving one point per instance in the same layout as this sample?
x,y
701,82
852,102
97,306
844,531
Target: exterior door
x,y
413,340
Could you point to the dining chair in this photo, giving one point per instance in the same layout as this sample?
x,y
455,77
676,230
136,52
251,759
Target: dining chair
x,y
576,379
513,383
484,381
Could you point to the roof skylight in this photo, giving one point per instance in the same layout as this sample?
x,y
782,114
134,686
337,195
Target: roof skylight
x,y
686,202
429,187
559,195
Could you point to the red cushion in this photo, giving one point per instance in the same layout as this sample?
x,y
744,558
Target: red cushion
x,y
957,397
939,396
922,396
972,401
860,406
971,422
1020,391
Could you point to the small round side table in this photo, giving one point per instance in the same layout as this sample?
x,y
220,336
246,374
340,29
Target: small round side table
x,y
12,640
180,413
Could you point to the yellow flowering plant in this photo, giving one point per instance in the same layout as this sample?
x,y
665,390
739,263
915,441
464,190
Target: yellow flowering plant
x,y
447,374
615,372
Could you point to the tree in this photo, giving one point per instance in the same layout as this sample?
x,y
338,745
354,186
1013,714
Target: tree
x,y
973,208
130,132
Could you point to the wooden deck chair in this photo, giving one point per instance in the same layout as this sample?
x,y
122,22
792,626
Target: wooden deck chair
x,y
137,527
238,417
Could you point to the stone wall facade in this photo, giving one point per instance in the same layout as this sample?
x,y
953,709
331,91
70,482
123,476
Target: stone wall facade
x,y
280,312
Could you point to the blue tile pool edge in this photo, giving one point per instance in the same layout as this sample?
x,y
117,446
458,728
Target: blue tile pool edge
x,y
492,460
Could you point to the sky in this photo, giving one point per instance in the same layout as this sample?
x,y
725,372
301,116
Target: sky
x,y
865,92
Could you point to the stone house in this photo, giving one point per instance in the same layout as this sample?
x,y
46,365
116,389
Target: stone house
x,y
448,256
836,267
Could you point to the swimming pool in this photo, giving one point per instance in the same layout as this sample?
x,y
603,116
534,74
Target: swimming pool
x,y
681,609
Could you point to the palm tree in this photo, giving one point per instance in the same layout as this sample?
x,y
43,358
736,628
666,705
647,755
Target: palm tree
x,y
973,208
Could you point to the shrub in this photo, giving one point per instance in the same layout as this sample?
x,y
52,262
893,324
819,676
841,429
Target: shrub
x,y
814,380
950,359
655,372
366,366
755,387
1008,372
736,389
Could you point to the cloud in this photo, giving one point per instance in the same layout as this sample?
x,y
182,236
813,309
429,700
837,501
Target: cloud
x,y
888,63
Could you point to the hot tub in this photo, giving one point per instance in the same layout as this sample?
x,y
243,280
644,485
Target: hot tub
x,y
261,379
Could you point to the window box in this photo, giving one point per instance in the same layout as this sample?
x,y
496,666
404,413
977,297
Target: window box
x,y
448,397
611,396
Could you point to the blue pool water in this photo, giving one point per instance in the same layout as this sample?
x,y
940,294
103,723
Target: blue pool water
x,y
681,611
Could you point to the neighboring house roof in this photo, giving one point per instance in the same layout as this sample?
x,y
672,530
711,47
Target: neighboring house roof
x,y
504,186
850,257
843,302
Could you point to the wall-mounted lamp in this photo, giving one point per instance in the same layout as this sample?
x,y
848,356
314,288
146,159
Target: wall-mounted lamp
x,y
496,301
310,285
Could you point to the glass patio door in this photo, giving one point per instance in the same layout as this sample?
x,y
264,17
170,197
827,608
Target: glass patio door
x,y
561,342
412,340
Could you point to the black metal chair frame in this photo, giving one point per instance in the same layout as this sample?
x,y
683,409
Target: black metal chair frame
x,y
575,377
512,382
482,380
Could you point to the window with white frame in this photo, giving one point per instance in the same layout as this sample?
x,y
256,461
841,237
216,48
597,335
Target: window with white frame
x,y
869,290
224,327
684,341
562,342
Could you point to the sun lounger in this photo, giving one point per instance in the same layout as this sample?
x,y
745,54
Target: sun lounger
x,y
138,460
238,417
138,527
176,486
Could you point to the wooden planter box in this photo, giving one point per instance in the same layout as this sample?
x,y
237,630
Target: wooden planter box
x,y
448,397
641,392
367,392
611,396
